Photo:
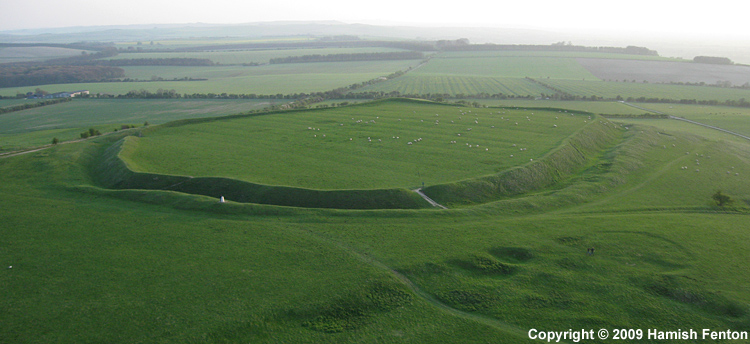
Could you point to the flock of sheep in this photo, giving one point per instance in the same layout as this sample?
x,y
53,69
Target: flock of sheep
x,y
462,113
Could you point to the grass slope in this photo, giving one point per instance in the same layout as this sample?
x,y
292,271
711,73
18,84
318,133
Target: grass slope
x,y
97,265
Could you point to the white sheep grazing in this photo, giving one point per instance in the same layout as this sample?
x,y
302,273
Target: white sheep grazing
x,y
408,143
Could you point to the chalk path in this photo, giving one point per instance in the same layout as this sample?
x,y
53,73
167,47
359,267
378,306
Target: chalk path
x,y
428,199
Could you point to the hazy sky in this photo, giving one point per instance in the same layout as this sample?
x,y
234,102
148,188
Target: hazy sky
x,y
722,17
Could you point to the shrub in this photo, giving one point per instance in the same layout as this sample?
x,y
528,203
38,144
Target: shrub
x,y
722,199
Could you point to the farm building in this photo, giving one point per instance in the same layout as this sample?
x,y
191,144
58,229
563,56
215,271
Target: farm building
x,y
31,95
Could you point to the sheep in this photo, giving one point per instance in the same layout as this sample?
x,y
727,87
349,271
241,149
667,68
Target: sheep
x,y
408,143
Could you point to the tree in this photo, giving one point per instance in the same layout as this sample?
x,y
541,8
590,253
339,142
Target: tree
x,y
722,199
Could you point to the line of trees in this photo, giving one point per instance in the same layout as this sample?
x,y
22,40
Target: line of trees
x,y
401,55
177,61
713,60
25,106
29,75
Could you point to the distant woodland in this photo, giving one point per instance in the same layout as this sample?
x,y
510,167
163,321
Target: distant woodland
x,y
31,75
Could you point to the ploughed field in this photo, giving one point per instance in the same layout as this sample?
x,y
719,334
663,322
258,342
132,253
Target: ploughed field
x,y
379,145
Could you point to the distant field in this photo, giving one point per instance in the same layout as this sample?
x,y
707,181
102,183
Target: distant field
x,y
665,71
598,107
268,79
505,66
22,54
731,118
249,56
358,147
555,54
413,83
11,102
35,127
647,90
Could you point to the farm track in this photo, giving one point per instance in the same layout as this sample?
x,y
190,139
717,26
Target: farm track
x,y
428,199
482,319
689,121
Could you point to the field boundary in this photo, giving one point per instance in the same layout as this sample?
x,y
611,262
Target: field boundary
x,y
709,126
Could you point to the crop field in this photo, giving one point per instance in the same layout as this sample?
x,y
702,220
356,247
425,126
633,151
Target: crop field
x,y
458,85
24,54
86,263
380,145
268,79
731,118
552,54
37,126
646,90
665,71
250,56
506,66
597,107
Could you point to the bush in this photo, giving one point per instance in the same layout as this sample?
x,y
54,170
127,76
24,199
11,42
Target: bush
x,y
722,199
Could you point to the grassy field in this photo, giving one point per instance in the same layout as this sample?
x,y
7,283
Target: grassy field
x,y
37,126
505,66
378,145
25,54
458,85
731,118
637,89
84,263
250,56
268,79
93,252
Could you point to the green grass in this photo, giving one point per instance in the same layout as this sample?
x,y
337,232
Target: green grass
x,y
454,85
506,66
731,118
250,56
25,54
97,265
611,90
267,79
358,147
550,54
35,127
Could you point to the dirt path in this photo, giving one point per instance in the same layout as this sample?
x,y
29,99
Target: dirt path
x,y
428,199
687,120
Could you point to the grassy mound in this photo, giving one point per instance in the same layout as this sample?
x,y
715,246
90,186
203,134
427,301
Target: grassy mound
x,y
354,309
573,156
114,172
